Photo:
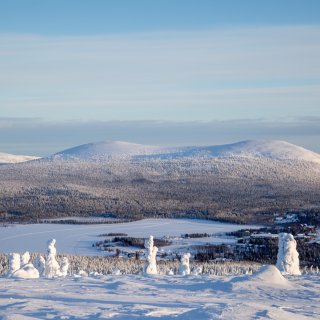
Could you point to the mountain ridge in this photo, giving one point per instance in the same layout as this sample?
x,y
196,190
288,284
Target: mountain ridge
x,y
270,149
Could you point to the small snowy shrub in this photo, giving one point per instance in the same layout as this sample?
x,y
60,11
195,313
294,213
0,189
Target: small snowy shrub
x,y
170,272
116,272
40,264
184,268
82,273
288,256
196,271
151,261
64,267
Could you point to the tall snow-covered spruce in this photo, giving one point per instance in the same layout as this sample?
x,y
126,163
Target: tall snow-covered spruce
x,y
288,256
52,268
151,261
14,263
40,264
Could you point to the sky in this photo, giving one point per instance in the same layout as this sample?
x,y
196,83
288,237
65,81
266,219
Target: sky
x,y
169,72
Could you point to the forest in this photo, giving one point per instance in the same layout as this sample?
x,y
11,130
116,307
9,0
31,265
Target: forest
x,y
238,189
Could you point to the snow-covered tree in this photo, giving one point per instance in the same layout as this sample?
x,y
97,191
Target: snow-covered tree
x,y
25,258
40,264
52,268
64,267
288,256
151,261
14,263
184,268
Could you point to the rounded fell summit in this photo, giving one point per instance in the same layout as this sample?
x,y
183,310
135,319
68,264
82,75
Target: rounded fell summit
x,y
267,149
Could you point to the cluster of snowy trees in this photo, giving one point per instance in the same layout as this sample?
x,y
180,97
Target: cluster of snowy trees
x,y
287,259
21,267
232,189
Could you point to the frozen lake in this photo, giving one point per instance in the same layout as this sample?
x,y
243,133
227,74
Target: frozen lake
x,y
78,239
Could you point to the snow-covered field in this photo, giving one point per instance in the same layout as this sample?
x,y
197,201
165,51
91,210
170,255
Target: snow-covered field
x,y
78,239
266,296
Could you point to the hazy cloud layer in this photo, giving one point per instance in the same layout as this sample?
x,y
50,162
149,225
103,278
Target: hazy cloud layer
x,y
39,137
179,76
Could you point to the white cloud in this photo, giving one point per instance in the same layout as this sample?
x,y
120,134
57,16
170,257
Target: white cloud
x,y
154,75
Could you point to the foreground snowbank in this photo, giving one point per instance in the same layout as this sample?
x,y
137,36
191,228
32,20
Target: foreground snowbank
x,y
159,297
266,276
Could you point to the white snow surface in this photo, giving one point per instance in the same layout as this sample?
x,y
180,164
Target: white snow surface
x,y
271,149
78,239
12,158
159,297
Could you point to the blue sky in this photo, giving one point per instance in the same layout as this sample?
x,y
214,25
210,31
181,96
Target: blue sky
x,y
205,71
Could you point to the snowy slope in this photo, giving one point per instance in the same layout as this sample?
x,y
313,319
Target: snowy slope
x,y
11,158
160,297
107,149
270,149
273,149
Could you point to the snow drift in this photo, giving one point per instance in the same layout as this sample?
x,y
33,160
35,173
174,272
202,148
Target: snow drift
x,y
268,276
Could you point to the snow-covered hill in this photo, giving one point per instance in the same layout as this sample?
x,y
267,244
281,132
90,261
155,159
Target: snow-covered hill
x,y
12,158
269,149
108,149
272,149
133,179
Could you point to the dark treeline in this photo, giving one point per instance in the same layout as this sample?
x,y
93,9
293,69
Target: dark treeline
x,y
259,249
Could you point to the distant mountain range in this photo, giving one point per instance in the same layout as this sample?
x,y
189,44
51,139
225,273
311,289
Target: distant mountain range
x,y
269,149
276,150
247,181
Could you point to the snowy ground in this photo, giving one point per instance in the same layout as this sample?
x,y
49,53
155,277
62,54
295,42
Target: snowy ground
x,y
161,297
78,239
